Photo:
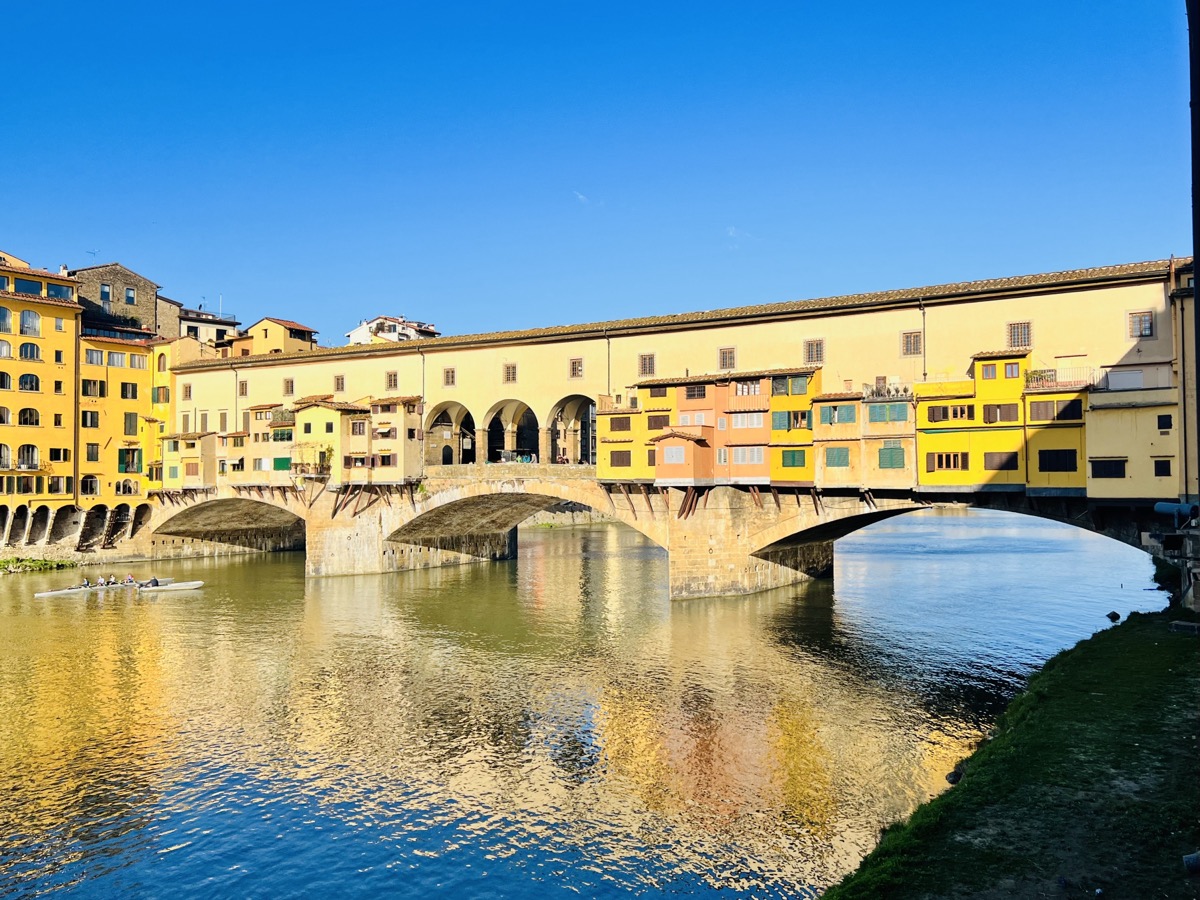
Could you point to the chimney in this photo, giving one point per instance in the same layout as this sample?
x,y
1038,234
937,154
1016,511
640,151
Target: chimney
x,y
62,270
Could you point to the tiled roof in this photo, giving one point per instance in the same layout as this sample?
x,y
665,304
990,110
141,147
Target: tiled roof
x,y
1014,353
105,339
397,400
36,273
186,436
338,406
673,433
116,265
230,434
288,323
942,293
844,395
312,398
722,377
34,298
259,406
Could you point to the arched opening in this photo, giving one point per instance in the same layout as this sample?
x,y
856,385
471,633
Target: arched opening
x,y
3,520
118,525
67,520
495,433
93,526
28,416
251,524
30,350
512,432
572,427
29,382
27,456
89,485
141,518
449,426
39,525
20,524
527,436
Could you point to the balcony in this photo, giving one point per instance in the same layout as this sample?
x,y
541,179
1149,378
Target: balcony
x,y
280,416
747,402
1059,379
609,404
893,390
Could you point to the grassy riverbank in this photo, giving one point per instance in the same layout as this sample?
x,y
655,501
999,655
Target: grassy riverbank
x,y
15,564
1090,782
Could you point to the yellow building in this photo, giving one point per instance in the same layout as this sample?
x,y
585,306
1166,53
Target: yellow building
x,y
39,325
270,335
792,458
115,430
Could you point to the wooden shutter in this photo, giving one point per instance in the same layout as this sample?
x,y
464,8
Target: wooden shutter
x,y
930,462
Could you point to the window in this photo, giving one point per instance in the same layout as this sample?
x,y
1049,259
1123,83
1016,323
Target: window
x,y
793,459
696,391
5,350
657,423
130,296
618,423
911,343
645,364
160,395
510,373
89,418
722,456
162,362
31,323
128,390
1056,411
187,391
1000,462
1164,422
685,418
29,383
339,383
1001,412
650,457
106,293
93,357
191,469
5,381
1108,468
358,427
1012,370
1057,461
887,412
620,459
58,356
391,381
223,418
243,388
1020,335
1162,468
186,421
89,485
988,371
30,351
576,368
131,423
836,415
837,457
814,352
674,456
448,378
781,420
289,387
747,388
800,418
137,361
658,392
746,420
27,286
5,416
93,453
698,419
726,358
329,428
28,416
117,360
60,454
283,434
891,455
1141,324
5,317
935,462
307,428
944,413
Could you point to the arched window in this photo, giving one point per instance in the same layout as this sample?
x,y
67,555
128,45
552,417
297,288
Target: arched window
x,y
5,457
31,323
27,456
29,383
5,320
30,350
28,416
126,487
5,350
5,381
89,485
162,362
119,487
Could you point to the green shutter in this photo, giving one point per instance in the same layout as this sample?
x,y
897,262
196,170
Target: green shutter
x,y
846,414
799,384
877,412
793,459
898,412
837,457
826,415
283,463
779,421
120,461
891,457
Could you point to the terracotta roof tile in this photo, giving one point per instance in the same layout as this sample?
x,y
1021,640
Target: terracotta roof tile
x,y
259,406
674,433
843,395
1014,353
288,323
396,400
722,377
33,298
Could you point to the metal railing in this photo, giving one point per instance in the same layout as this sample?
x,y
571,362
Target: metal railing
x,y
1059,379
897,390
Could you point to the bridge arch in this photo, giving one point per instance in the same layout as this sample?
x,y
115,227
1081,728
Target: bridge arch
x,y
571,423
493,506
242,521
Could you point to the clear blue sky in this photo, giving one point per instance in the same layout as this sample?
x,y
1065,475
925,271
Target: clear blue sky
x,y
497,165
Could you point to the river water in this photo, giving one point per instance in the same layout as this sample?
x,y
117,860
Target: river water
x,y
551,725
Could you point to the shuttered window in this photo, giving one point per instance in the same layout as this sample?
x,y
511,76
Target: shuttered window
x,y
1000,412
837,457
1000,462
618,423
1108,468
891,457
887,412
780,421
620,459
935,462
1058,461
793,459
657,423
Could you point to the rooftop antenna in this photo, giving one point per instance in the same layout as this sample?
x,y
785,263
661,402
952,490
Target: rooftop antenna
x,y
93,254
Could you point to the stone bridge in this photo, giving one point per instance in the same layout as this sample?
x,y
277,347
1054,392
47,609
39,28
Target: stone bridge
x,y
719,540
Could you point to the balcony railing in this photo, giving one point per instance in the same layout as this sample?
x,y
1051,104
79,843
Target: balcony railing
x,y
895,390
283,417
747,402
1059,379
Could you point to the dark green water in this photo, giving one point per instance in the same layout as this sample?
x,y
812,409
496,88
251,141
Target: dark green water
x,y
551,725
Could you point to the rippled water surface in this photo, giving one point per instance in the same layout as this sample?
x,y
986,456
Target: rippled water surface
x,y
550,725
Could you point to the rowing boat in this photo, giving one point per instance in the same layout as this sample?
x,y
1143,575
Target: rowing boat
x,y
66,592
174,586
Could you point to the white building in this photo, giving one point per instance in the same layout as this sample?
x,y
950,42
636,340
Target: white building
x,y
389,328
